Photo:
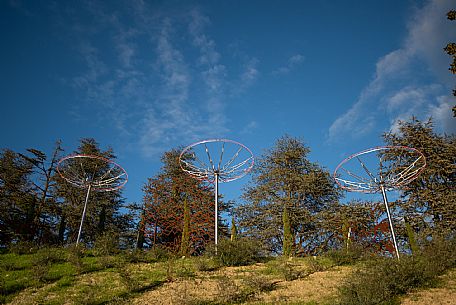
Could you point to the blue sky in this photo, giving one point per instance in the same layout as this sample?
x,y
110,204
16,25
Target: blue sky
x,y
143,77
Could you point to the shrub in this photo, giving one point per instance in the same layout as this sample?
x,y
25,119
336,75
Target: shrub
x,y
348,256
255,284
23,247
239,252
381,280
106,244
206,264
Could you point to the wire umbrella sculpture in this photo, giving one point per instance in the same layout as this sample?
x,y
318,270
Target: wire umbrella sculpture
x,y
378,170
216,161
93,173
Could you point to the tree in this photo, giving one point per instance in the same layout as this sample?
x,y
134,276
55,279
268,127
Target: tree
x,y
429,202
450,49
102,214
285,197
42,210
15,198
179,210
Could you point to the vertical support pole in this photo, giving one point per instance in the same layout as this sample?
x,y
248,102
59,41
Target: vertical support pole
x,y
83,214
385,200
216,211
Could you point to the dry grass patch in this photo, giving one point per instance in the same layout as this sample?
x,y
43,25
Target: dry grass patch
x,y
318,287
248,285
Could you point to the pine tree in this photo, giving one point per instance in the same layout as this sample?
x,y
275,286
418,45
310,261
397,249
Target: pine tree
x,y
102,216
16,199
42,210
429,202
171,195
185,243
233,230
450,49
286,187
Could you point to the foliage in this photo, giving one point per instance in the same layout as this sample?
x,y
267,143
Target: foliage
x,y
287,244
429,202
239,252
102,209
233,230
38,208
348,256
450,49
185,243
285,180
380,280
169,196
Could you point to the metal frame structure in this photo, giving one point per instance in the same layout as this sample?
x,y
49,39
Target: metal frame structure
x,y
74,169
222,170
392,173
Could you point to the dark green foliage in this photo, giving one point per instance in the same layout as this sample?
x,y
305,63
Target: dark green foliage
x,y
240,252
287,235
233,230
185,243
107,243
348,256
179,208
285,180
429,202
380,280
450,49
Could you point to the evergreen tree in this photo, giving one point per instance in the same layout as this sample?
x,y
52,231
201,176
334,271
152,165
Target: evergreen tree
x,y
179,209
285,197
429,202
233,230
102,215
42,216
16,199
450,49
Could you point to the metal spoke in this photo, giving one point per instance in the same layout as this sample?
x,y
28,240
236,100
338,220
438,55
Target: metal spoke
x,y
367,171
232,159
209,156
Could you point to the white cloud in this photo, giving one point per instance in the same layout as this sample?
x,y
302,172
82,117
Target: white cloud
x,y
396,86
250,74
250,127
292,63
144,79
442,115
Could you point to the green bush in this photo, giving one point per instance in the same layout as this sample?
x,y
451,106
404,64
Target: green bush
x,y
239,252
23,247
348,256
106,244
152,255
382,280
204,263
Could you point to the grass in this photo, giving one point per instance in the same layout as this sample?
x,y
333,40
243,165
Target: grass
x,y
49,276
77,276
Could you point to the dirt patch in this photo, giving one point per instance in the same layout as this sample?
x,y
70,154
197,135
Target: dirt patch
x,y
435,296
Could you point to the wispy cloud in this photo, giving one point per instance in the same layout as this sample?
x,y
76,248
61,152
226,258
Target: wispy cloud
x,y
397,91
250,127
148,81
292,63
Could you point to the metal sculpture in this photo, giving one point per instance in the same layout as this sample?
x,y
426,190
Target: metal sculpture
x,y
93,173
378,170
198,160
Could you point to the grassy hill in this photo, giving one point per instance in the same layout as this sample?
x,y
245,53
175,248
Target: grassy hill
x,y
78,276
